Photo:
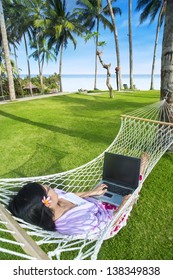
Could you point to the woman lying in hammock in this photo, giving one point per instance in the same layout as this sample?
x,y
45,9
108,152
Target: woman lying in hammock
x,y
67,213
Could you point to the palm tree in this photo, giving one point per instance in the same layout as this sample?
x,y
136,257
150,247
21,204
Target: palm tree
x,y
60,27
167,59
42,54
130,42
167,56
12,34
152,8
118,68
22,17
37,40
1,71
91,13
7,54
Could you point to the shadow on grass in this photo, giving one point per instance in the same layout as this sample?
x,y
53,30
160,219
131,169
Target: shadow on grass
x,y
79,134
44,154
93,102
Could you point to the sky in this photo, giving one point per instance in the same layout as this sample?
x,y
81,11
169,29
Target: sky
x,y
82,59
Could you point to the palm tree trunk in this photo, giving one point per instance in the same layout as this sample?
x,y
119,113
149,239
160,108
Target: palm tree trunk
x,y
27,58
18,75
130,43
1,87
167,56
41,78
155,45
167,59
60,67
39,64
96,63
116,44
42,65
40,74
7,54
107,67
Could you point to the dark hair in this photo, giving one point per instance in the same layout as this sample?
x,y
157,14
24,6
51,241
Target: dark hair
x,y
27,205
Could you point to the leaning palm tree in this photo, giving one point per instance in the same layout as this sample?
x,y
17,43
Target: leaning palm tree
x,y
150,9
7,54
91,13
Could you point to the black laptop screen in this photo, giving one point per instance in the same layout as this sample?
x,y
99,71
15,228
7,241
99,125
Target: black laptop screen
x,y
121,170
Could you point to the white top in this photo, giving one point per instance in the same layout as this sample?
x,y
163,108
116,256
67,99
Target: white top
x,y
75,199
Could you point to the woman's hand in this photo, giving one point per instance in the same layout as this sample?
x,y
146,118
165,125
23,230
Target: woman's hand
x,y
100,190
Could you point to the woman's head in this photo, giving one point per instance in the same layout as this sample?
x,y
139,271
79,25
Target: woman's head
x,y
28,205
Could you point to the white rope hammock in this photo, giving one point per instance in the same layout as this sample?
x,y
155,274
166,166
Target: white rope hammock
x,y
148,129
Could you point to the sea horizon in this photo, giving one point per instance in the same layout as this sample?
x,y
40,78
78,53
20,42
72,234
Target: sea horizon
x,y
75,82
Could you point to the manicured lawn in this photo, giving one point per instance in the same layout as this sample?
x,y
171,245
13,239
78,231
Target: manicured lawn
x,y
55,134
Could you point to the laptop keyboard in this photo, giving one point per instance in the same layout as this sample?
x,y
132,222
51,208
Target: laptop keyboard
x,y
118,190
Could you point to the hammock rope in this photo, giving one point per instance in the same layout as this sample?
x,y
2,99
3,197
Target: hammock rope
x,y
148,129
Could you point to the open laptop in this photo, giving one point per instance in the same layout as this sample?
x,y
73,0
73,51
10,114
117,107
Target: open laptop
x,y
121,175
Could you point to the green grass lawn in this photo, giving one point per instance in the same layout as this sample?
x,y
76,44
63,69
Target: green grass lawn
x,y
55,134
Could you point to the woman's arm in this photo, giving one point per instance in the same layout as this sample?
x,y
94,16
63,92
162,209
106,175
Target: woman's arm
x,y
100,190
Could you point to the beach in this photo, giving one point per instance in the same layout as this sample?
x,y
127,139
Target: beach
x,y
72,83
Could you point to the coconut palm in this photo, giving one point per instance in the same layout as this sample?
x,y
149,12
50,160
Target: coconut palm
x,y
12,34
130,42
22,17
36,9
42,54
167,56
152,8
7,54
60,27
118,68
91,13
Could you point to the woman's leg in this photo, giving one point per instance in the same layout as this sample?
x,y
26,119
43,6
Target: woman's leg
x,y
144,162
125,198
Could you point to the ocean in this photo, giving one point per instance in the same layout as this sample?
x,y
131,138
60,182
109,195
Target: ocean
x,y
72,83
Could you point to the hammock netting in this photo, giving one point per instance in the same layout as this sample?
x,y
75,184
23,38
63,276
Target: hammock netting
x,y
148,129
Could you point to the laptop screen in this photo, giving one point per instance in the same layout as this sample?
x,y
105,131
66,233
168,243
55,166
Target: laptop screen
x,y
121,170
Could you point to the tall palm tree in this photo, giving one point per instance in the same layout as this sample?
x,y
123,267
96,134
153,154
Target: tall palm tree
x,y
12,32
7,54
60,27
118,68
36,10
92,13
150,9
167,56
167,59
22,17
130,42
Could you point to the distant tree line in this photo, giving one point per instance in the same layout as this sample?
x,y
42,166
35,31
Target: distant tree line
x,y
47,26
